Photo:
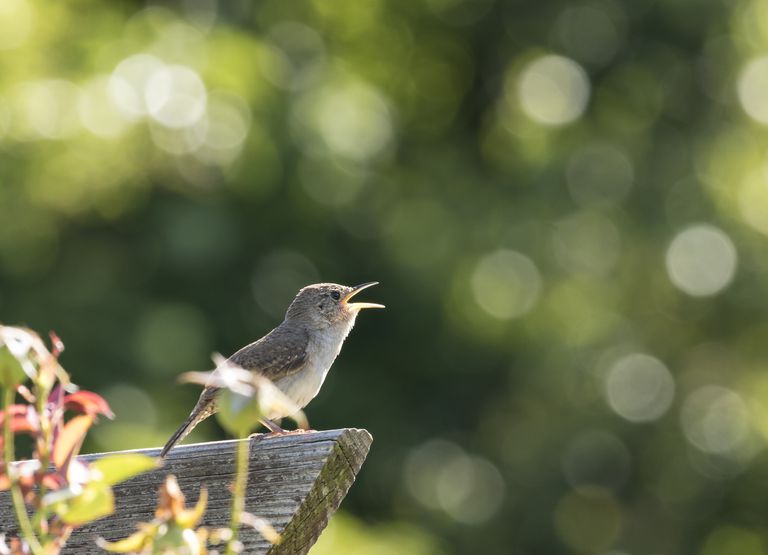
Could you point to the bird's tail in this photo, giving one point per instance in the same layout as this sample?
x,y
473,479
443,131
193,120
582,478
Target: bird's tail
x,y
204,408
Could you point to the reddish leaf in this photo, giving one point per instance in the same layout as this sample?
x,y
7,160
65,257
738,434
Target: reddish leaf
x,y
87,402
23,419
54,481
69,440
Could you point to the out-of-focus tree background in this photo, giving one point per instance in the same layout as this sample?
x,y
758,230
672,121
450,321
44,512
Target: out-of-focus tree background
x,y
566,204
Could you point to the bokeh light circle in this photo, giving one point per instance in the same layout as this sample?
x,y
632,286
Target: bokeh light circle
x,y
701,260
227,124
97,110
553,90
440,475
639,388
354,121
45,109
175,96
715,419
753,200
752,87
128,81
506,284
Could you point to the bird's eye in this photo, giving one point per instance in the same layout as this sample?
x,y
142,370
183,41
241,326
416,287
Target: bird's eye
x,y
335,295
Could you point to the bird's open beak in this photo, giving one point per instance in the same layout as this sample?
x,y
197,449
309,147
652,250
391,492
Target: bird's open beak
x,y
355,291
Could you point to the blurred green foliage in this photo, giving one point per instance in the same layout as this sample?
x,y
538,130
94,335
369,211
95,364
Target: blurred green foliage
x,y
566,204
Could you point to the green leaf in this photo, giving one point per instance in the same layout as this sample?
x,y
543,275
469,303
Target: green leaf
x,y
175,539
11,372
238,414
117,468
95,501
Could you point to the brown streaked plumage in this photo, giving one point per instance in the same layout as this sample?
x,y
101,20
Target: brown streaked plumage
x,y
297,354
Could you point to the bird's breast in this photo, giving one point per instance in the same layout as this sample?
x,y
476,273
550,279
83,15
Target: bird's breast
x,y
322,349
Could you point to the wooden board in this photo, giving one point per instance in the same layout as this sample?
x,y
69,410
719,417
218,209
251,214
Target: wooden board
x,y
295,481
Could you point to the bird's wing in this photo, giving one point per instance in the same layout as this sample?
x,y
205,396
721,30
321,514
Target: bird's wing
x,y
276,355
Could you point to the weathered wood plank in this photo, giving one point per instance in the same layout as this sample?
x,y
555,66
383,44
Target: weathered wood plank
x,y
295,481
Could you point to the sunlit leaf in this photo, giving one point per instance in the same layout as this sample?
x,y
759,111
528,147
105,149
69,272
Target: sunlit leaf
x,y
87,402
171,499
69,440
95,501
190,517
117,468
134,542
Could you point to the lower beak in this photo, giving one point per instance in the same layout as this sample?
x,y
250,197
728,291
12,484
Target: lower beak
x,y
355,291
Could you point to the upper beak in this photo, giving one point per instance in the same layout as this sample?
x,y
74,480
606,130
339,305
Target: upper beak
x,y
355,290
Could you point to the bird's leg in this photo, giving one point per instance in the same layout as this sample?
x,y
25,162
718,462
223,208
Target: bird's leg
x,y
273,427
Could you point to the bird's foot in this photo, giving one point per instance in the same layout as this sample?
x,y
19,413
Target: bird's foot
x,y
281,432
273,427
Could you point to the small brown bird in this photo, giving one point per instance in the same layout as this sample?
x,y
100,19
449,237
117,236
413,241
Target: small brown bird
x,y
297,354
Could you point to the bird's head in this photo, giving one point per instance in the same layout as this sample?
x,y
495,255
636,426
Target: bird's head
x,y
326,304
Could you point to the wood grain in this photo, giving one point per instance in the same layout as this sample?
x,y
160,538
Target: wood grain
x,y
295,481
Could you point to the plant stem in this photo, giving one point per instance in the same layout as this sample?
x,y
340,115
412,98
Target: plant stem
x,y
238,493
18,499
44,456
